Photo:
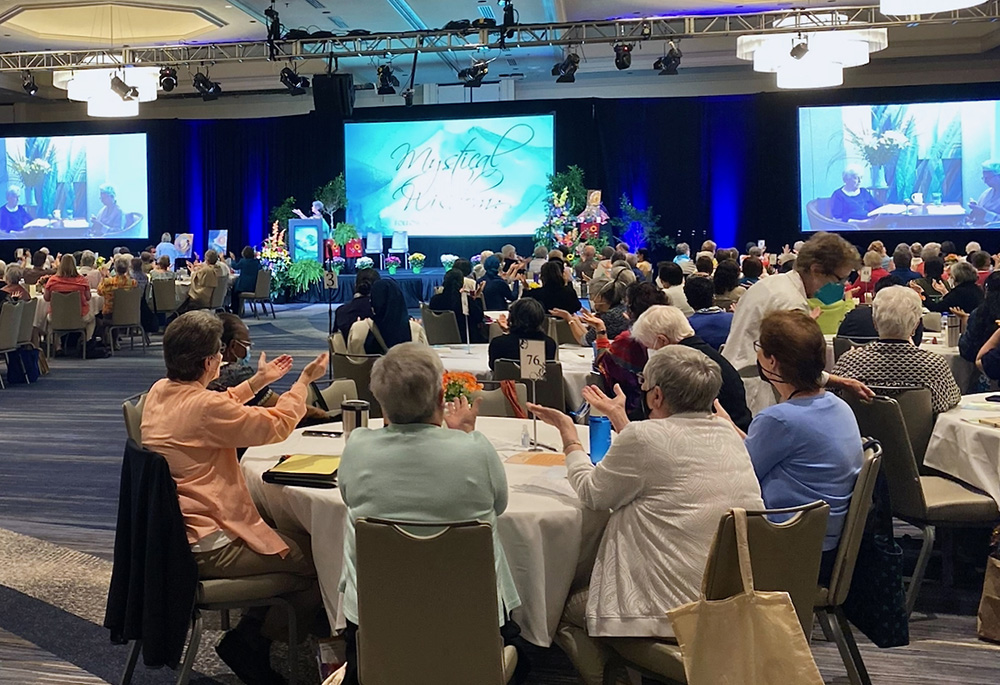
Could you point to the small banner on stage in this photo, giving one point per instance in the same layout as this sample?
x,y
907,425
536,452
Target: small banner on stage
x,y
330,280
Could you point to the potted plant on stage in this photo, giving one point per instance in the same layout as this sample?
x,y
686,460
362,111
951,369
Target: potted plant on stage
x,y
337,264
303,274
417,260
448,261
365,263
347,236
392,262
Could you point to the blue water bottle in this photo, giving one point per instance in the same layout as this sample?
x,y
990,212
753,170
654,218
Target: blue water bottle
x,y
600,437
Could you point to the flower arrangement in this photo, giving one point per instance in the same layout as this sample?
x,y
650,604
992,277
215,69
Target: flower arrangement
x,y
448,261
459,384
393,262
337,263
364,263
476,258
417,259
31,172
879,150
275,257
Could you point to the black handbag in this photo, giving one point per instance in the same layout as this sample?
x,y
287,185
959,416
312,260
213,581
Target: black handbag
x,y
876,604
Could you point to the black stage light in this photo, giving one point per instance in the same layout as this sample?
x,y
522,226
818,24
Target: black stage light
x,y
123,90
28,83
566,70
669,62
799,49
386,81
509,21
473,76
168,78
209,89
295,84
623,56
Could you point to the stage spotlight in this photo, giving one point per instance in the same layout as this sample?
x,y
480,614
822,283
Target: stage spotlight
x,y
123,90
799,49
386,81
669,62
473,76
209,89
566,70
295,84
623,56
168,78
509,21
28,83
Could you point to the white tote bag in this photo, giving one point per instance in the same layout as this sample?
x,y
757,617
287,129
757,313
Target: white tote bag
x,y
753,638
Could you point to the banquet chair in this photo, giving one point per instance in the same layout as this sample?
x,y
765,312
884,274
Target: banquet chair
x,y
918,416
829,600
551,392
332,396
842,345
358,368
927,502
164,295
785,558
132,413
560,331
127,316
495,403
218,302
400,245
396,562
10,329
66,318
932,322
261,293
146,479
25,335
441,327
373,246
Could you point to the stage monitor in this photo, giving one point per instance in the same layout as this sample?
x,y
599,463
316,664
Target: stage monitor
x,y
449,178
918,166
74,187
305,238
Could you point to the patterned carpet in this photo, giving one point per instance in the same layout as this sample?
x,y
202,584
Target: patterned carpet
x,y
60,455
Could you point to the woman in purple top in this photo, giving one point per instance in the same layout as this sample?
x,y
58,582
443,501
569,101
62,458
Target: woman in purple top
x,y
851,201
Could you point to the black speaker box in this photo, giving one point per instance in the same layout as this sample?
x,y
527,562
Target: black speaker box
x,y
333,94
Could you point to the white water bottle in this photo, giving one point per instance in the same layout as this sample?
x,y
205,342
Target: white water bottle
x,y
525,437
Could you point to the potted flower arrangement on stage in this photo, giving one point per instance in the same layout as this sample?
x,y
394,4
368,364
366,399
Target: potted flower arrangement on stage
x,y
392,262
459,384
347,236
448,261
337,263
275,258
417,260
364,263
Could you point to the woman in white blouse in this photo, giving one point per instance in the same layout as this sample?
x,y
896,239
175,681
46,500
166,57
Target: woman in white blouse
x,y
668,481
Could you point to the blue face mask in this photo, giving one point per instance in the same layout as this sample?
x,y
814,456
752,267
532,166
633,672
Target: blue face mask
x,y
245,359
830,293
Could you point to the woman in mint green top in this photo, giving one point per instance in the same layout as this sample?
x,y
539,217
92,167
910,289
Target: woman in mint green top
x,y
416,469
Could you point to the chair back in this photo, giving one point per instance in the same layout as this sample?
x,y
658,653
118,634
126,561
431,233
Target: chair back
x,y
785,556
400,242
854,525
841,345
66,315
262,290
495,403
337,343
164,295
441,328
396,563
10,325
550,393
332,396
219,293
373,242
560,331
932,322
918,416
24,335
882,420
127,311
358,368
133,417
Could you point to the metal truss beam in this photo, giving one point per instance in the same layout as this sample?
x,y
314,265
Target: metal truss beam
x,y
387,45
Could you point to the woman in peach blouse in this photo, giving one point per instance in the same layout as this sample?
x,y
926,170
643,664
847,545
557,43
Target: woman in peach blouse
x,y
68,280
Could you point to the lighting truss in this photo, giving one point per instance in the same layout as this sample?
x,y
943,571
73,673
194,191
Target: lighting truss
x,y
381,45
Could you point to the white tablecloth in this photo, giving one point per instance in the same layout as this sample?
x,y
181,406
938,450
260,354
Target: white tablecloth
x,y
965,373
577,365
966,449
42,308
547,535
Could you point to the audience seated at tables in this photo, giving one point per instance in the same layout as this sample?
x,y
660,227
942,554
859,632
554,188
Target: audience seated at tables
x,y
980,260
67,280
808,447
982,321
608,301
454,298
660,326
205,279
496,291
751,268
710,322
933,273
360,306
119,281
13,287
137,273
666,490
161,270
412,470
198,432
683,259
671,281
87,268
38,268
604,265
965,293
726,280
901,259
389,325
249,266
894,361
858,325
585,268
860,288
524,322
555,293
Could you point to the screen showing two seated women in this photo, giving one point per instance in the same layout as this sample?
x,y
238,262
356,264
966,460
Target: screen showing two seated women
x,y
74,187
920,166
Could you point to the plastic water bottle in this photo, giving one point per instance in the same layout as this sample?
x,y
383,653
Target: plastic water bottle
x,y
600,437
525,438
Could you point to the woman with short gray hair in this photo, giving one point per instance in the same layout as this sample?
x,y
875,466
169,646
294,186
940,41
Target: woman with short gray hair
x,y
413,470
667,490
965,293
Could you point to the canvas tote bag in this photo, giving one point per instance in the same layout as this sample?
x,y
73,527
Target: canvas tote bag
x,y
753,638
988,620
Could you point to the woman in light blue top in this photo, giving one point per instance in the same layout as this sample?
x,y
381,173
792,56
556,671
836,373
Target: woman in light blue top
x,y
808,447
414,470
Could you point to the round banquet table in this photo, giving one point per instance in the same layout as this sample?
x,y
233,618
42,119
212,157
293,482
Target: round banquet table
x,y
577,365
42,309
547,535
966,374
965,449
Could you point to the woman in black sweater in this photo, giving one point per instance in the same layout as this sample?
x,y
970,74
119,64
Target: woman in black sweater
x,y
966,295
525,323
555,293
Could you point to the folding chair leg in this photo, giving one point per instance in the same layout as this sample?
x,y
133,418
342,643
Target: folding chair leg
x,y
918,571
857,674
133,658
293,644
273,315
192,650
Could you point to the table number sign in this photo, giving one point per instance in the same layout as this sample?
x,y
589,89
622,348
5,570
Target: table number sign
x,y
533,360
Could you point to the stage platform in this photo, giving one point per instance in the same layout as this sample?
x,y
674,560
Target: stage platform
x,y
416,288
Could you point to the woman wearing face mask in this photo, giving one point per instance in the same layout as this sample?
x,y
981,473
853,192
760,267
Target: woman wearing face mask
x,y
808,447
821,269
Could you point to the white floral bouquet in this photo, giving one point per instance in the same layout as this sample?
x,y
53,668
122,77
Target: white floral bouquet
x,y
448,261
879,150
364,263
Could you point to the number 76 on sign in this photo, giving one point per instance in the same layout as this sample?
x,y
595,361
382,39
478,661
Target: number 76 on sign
x,y
532,360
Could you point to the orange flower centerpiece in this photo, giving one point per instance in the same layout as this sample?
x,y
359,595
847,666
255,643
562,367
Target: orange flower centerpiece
x,y
459,384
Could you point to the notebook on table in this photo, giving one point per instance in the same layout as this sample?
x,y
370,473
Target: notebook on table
x,y
305,470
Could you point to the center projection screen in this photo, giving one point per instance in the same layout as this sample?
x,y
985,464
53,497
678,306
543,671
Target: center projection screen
x,y
449,178
917,166
74,187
